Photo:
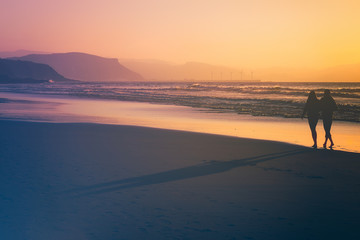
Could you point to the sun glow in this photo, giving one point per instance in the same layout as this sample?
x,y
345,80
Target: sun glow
x,y
253,34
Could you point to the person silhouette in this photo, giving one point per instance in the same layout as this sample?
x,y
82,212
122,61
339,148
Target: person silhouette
x,y
312,109
328,106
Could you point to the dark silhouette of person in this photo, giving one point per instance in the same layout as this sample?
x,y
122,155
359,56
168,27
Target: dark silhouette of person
x,y
328,106
312,109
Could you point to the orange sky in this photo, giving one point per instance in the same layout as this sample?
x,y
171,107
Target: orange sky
x,y
256,33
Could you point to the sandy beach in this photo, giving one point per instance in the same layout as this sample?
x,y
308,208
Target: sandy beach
x,y
96,181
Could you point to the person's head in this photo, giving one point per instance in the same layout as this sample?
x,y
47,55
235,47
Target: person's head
x,y
326,93
312,96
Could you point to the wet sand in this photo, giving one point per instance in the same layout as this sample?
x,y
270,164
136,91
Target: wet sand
x,y
97,181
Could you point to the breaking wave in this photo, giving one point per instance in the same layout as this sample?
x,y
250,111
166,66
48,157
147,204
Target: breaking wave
x,y
255,98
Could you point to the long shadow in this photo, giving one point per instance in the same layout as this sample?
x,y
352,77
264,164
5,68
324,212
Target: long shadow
x,y
212,167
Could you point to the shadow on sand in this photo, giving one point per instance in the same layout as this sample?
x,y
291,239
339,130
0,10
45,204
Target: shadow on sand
x,y
209,168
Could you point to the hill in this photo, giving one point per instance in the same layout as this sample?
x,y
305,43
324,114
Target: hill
x,y
85,67
16,71
162,71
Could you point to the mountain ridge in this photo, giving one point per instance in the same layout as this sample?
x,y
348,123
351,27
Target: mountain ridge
x,y
85,67
159,70
192,70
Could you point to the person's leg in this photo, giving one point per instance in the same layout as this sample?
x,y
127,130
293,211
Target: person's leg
x,y
314,136
327,130
330,137
312,124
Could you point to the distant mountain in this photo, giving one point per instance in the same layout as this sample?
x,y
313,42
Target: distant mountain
x,y
18,53
162,71
85,67
16,71
165,71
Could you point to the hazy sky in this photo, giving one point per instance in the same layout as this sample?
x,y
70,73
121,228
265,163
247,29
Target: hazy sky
x,y
252,33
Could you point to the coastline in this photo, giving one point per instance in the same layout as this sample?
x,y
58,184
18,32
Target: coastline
x,y
99,181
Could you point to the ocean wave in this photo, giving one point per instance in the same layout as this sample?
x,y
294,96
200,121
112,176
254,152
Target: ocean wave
x,y
259,99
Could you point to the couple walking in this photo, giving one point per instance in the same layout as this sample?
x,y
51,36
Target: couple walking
x,y
326,105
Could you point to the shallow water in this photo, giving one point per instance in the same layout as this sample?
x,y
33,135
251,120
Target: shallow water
x,y
254,98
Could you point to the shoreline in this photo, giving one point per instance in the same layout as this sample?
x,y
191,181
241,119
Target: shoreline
x,y
61,109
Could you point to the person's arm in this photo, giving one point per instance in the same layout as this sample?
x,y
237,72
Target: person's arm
x,y
335,107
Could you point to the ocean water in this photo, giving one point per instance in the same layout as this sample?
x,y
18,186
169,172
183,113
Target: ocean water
x,y
277,99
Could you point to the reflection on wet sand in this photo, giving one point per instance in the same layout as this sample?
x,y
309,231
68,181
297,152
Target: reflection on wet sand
x,y
59,109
